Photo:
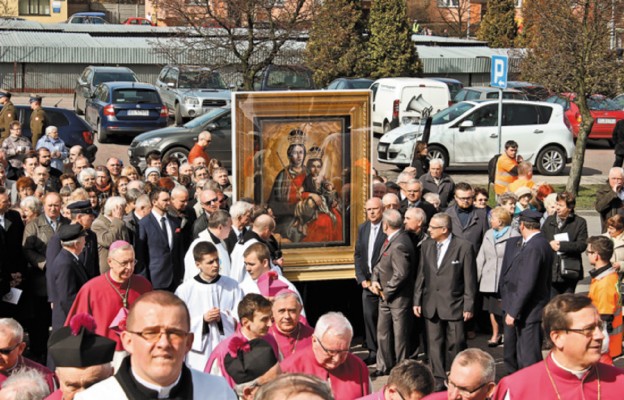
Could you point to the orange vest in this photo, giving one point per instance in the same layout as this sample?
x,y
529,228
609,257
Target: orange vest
x,y
604,291
503,173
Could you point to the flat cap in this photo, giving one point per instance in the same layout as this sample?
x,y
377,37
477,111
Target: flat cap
x,y
5,93
70,232
151,170
80,207
34,97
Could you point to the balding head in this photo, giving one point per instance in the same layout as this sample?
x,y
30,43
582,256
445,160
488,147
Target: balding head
x,y
264,225
209,201
374,210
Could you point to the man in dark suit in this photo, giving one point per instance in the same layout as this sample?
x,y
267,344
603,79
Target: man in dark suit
x,y
241,216
66,274
209,202
525,289
413,198
393,282
12,262
444,293
469,223
370,238
141,207
158,244
180,209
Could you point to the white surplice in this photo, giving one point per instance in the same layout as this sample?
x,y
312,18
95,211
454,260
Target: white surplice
x,y
237,266
201,296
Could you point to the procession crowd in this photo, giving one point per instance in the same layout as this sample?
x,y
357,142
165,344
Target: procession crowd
x,y
126,284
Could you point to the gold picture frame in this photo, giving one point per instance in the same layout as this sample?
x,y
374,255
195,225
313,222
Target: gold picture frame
x,y
307,155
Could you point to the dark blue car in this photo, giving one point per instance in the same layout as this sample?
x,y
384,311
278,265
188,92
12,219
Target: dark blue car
x,y
127,108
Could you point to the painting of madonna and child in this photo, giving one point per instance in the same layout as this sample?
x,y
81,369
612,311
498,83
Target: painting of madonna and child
x,y
302,178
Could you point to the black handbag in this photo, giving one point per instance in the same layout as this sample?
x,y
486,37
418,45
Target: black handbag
x,y
570,270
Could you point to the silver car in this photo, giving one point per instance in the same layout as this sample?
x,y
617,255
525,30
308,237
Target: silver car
x,y
191,91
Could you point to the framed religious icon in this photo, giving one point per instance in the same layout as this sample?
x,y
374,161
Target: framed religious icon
x,y
306,155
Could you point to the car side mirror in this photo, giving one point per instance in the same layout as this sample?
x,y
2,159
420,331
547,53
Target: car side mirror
x,y
465,124
211,126
171,84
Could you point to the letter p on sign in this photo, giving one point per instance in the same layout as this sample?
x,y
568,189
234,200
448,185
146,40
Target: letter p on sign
x,y
498,74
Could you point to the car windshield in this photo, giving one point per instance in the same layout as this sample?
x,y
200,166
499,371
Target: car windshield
x,y
289,78
204,118
103,77
135,96
602,104
360,84
200,80
449,114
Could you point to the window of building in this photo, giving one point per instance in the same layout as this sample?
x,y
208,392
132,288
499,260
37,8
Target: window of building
x,y
34,7
448,3
518,3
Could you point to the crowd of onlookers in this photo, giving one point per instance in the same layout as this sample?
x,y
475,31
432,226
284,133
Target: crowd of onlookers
x,y
90,259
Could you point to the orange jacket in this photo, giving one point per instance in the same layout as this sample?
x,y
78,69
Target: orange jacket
x,y
604,291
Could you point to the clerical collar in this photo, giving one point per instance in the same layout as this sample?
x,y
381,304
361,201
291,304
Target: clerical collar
x,y
199,279
215,239
579,374
163,391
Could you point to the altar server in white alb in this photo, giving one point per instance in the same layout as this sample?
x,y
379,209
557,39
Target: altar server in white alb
x,y
212,300
157,337
219,227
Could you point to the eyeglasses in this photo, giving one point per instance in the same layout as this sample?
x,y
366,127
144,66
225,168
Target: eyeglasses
x,y
7,351
115,165
587,332
482,199
436,227
129,263
211,201
413,191
462,390
331,353
464,198
152,335
589,252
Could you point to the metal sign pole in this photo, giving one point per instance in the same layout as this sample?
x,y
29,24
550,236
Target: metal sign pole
x,y
500,120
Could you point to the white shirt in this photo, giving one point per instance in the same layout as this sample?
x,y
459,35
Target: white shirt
x,y
374,231
445,245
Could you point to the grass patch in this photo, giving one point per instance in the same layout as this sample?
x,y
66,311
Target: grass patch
x,y
585,198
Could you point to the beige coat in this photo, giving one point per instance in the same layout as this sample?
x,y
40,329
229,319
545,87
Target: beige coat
x,y
108,230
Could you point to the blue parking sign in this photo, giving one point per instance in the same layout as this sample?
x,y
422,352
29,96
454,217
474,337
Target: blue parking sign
x,y
498,74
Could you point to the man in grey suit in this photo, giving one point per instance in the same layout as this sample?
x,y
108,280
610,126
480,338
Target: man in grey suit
x,y
469,223
393,282
370,238
444,293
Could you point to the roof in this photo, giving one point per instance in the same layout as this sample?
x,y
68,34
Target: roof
x,y
129,85
102,68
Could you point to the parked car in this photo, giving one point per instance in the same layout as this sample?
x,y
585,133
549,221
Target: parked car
x,y
400,101
92,76
90,17
125,108
604,111
466,135
487,93
73,130
350,83
138,21
284,77
453,84
190,91
532,90
177,141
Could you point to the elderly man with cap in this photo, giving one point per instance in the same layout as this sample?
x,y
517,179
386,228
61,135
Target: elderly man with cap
x,y
82,357
7,113
525,289
57,147
38,118
12,346
82,214
329,358
108,296
157,337
152,175
251,367
66,274
290,333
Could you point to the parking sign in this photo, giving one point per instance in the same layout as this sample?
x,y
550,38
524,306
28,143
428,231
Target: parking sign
x,y
498,74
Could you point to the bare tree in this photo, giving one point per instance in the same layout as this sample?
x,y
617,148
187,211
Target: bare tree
x,y
246,35
456,15
568,51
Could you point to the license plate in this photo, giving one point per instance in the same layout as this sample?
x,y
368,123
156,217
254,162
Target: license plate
x,y
382,148
141,113
606,121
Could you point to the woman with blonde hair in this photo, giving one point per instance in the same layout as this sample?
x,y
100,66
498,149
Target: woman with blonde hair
x,y
489,263
615,232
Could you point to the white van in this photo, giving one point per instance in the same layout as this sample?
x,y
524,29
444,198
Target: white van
x,y
400,101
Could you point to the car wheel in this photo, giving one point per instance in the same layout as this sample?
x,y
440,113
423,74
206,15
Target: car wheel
x,y
76,109
180,153
436,151
101,134
178,115
551,161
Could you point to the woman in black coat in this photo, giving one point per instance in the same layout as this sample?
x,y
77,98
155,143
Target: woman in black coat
x,y
420,161
567,234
